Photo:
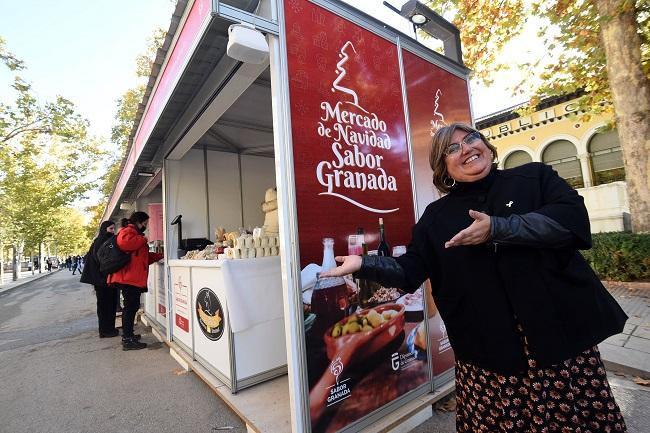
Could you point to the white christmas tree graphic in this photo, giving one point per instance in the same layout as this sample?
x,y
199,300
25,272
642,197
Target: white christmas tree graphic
x,y
440,121
342,72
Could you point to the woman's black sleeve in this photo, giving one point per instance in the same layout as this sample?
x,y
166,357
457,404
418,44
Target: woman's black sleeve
x,y
564,206
531,229
406,272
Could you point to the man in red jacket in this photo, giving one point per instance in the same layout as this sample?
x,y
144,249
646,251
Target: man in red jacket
x,y
132,278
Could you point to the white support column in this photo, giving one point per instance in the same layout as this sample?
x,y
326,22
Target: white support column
x,y
585,166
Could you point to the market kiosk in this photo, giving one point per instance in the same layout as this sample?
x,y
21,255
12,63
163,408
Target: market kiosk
x,y
337,118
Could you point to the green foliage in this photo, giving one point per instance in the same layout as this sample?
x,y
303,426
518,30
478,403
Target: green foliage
x,y
45,156
620,256
71,237
11,61
485,27
127,108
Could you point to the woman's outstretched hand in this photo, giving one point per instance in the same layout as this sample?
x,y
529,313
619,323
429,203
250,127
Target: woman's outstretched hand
x,y
477,233
350,264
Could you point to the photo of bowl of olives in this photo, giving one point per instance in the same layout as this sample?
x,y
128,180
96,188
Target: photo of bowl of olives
x,y
372,329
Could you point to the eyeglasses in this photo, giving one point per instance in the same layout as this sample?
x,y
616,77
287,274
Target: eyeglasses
x,y
467,140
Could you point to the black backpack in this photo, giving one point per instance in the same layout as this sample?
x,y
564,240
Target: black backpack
x,y
110,257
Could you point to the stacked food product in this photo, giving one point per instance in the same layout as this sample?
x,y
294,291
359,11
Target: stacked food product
x,y
237,245
249,246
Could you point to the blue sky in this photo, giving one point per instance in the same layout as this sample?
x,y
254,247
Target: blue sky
x,y
84,50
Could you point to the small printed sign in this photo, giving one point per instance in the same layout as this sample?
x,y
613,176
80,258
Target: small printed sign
x,y
182,323
209,314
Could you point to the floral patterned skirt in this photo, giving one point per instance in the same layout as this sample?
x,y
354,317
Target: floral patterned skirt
x,y
573,396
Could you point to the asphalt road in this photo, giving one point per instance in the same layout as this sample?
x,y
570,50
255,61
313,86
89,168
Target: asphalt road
x,y
58,376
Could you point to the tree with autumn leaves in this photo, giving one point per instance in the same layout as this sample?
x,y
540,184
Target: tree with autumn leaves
x,y
600,47
45,158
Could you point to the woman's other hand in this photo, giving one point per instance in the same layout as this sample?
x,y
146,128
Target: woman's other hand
x,y
350,264
477,233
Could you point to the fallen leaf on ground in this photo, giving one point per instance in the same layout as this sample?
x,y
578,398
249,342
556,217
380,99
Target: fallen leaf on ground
x,y
618,373
179,371
641,381
447,406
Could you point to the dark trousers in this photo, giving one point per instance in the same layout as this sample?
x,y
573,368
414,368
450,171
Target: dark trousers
x,y
118,306
106,301
131,296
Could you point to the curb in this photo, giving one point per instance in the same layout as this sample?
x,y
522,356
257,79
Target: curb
x,y
9,289
631,285
615,367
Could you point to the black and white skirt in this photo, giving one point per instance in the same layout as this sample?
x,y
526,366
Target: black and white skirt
x,y
573,396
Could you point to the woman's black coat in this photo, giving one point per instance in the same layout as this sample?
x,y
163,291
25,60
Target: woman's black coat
x,y
484,291
91,273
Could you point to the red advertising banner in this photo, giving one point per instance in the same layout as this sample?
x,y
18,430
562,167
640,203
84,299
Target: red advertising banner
x,y
435,98
155,211
351,165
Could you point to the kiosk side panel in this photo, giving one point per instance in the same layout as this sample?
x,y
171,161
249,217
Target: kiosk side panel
x,y
351,165
436,98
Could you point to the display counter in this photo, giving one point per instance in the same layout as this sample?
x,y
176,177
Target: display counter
x,y
155,299
227,313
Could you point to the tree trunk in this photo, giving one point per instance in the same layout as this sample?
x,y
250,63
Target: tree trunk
x,y
631,96
16,270
2,263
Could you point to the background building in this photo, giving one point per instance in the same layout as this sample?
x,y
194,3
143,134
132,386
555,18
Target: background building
x,y
582,152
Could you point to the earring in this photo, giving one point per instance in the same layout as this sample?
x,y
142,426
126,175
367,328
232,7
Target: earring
x,y
445,182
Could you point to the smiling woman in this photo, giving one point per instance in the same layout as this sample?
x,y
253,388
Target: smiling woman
x,y
530,312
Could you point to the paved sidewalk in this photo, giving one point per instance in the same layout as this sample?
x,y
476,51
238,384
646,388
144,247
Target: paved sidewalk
x,y
629,352
8,284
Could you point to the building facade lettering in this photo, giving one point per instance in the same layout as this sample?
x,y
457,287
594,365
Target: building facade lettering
x,y
533,120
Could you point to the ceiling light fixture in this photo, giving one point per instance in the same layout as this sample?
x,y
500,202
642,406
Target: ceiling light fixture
x,y
418,19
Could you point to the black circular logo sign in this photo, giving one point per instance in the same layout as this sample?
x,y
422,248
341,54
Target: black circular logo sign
x,y
209,314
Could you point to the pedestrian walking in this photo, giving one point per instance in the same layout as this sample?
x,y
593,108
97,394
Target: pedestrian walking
x,y
522,308
68,263
132,278
106,295
48,262
75,265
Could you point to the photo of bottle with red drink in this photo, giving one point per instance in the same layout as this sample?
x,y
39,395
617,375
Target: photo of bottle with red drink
x,y
330,297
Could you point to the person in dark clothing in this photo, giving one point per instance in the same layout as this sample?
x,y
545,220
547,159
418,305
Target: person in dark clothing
x,y
106,295
132,278
48,262
522,308
76,265
68,263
